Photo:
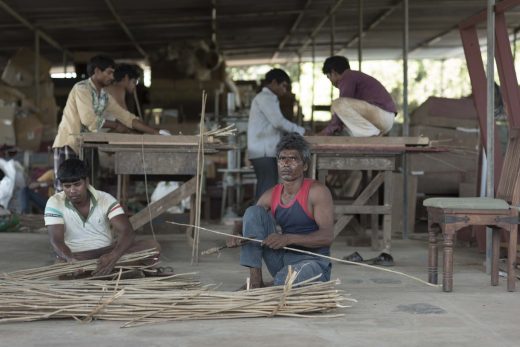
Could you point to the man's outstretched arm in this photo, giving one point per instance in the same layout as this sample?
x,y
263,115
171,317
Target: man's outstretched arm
x,y
57,239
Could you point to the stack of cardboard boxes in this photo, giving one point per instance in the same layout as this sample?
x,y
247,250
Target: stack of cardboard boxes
x,y
24,121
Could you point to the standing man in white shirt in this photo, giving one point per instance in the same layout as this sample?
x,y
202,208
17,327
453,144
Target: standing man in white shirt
x,y
266,127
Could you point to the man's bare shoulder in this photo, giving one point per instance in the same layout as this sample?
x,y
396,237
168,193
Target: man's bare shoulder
x,y
319,191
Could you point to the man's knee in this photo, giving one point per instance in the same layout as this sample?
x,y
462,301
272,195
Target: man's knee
x,y
257,222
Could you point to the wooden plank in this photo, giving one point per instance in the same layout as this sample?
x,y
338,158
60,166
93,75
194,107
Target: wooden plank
x,y
355,163
162,205
362,209
115,138
323,141
173,163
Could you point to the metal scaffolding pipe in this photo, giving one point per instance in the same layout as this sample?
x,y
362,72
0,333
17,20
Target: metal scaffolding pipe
x,y
126,29
490,145
37,68
360,34
406,121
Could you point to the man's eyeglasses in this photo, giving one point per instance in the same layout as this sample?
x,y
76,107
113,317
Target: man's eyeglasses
x,y
288,160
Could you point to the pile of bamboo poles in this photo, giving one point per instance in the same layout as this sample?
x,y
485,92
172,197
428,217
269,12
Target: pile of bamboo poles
x,y
159,299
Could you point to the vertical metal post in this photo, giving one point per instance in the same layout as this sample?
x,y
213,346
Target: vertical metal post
x,y
490,74
64,64
441,80
37,68
313,80
332,42
406,121
360,33
299,75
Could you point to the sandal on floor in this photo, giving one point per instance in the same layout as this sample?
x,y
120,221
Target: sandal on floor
x,y
161,271
383,259
354,257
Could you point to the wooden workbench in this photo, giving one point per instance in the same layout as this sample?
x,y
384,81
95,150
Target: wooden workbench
x,y
163,155
378,158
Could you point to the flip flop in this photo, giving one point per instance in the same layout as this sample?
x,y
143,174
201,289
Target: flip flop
x,y
161,271
383,259
354,257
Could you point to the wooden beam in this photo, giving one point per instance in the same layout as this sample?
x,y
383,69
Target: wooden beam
x,y
376,140
370,189
162,205
361,209
358,163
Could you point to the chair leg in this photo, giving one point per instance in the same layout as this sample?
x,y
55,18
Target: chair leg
x,y
495,250
511,258
447,275
433,253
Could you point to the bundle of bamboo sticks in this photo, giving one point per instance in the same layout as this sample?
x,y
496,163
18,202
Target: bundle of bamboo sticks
x,y
220,132
126,262
159,299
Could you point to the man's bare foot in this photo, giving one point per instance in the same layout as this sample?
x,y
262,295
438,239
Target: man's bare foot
x,y
256,285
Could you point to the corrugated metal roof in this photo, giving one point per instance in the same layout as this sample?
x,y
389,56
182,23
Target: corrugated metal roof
x,y
245,30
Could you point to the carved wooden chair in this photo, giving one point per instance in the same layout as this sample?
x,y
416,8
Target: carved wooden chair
x,y
449,215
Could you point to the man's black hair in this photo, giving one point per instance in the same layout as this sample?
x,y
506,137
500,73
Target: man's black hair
x,y
123,69
72,170
337,63
101,62
278,75
297,142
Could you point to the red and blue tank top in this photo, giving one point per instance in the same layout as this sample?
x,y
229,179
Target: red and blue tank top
x,y
295,217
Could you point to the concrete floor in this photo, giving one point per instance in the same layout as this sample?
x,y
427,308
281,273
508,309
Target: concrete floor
x,y
392,310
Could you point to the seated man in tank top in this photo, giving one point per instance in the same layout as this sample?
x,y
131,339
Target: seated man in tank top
x,y
303,210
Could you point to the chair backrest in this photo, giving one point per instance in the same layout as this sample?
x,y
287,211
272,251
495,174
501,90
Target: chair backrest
x,y
509,184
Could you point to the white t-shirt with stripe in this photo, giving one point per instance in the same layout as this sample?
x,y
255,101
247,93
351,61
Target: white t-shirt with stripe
x,y
84,234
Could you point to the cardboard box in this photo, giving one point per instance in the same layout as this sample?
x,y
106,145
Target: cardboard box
x,y
7,133
48,112
10,96
29,131
46,90
19,71
446,113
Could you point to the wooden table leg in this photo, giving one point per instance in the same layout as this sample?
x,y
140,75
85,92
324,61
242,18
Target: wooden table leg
x,y
387,218
375,239
495,250
511,257
433,254
190,230
447,276
119,187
